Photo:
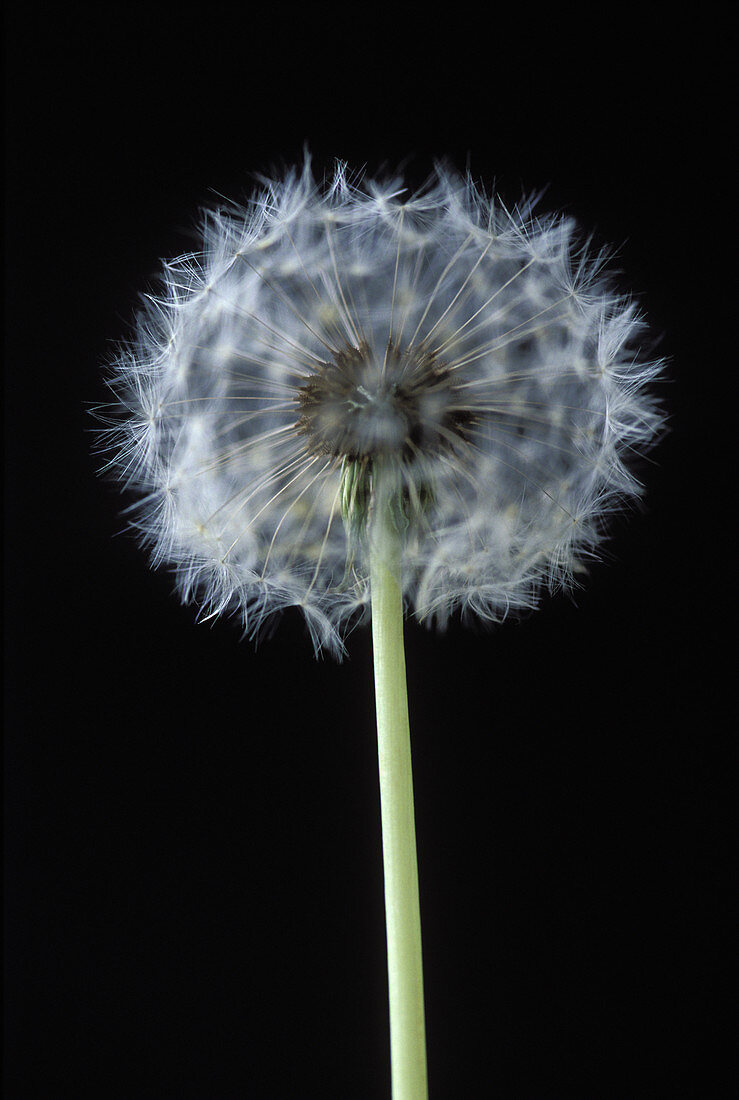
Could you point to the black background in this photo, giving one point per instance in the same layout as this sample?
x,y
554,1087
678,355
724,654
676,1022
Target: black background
x,y
193,863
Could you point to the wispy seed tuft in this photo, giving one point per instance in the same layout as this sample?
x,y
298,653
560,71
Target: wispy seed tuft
x,y
327,336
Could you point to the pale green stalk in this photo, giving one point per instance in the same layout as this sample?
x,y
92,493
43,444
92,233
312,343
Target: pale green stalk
x,y
402,911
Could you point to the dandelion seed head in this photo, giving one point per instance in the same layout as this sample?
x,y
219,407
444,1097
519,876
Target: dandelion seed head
x,y
324,333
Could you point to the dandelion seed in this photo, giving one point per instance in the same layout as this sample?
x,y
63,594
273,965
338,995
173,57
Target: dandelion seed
x,y
479,353
357,397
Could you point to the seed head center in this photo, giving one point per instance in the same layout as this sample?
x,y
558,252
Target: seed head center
x,y
395,403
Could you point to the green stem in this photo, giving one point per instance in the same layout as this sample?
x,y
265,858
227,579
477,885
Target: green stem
x,y
402,911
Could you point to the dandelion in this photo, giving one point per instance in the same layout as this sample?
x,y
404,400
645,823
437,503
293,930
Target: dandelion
x,y
356,401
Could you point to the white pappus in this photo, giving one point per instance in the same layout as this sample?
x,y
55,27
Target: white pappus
x,y
327,335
